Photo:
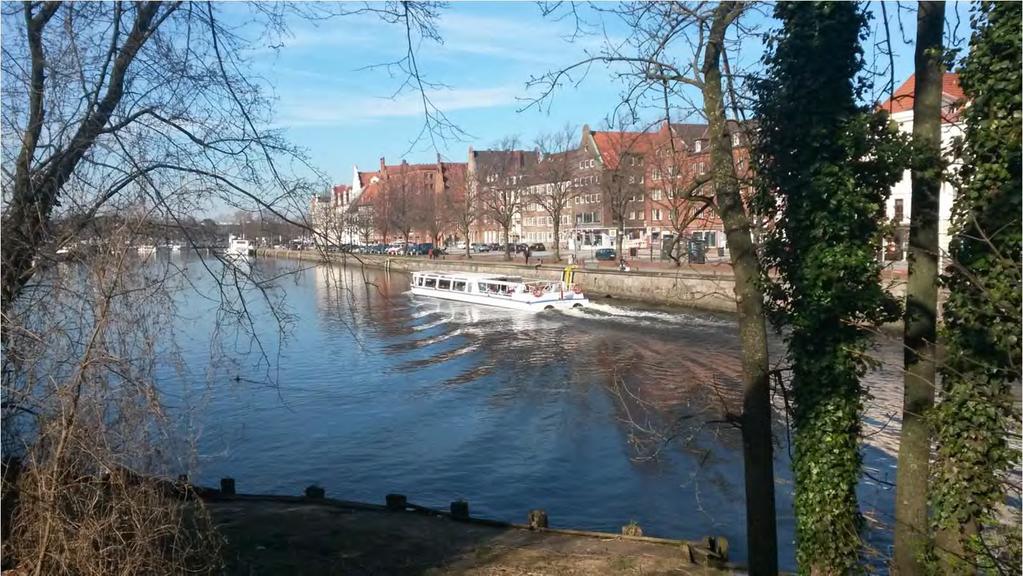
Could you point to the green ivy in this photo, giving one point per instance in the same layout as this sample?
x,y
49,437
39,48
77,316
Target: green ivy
x,y
982,325
825,164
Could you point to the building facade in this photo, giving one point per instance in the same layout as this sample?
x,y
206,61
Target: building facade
x,y
898,208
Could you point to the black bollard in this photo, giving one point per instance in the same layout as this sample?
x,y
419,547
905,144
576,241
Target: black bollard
x,y
460,510
396,502
227,486
537,519
314,492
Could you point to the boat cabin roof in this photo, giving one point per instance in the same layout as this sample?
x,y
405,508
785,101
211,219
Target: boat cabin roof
x,y
471,276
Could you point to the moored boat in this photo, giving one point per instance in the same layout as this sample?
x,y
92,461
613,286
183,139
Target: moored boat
x,y
502,291
238,248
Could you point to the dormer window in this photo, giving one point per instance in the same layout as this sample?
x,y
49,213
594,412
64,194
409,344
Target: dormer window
x,y
697,146
735,140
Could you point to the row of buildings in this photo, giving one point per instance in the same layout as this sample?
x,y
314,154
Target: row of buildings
x,y
601,184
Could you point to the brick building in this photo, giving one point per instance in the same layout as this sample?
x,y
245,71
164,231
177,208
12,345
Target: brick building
x,y
500,181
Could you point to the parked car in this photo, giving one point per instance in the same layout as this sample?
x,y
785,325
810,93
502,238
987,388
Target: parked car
x,y
495,247
401,248
605,254
537,247
480,247
519,248
422,249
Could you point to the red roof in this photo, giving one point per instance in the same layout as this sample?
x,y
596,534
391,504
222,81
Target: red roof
x,y
902,100
612,145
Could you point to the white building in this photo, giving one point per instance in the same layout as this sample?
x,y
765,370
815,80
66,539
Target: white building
x,y
899,206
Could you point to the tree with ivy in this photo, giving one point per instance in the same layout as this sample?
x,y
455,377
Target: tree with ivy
x,y
981,330
825,164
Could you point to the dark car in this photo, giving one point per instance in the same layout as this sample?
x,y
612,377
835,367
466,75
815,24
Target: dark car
x,y
519,248
495,247
480,247
605,254
537,247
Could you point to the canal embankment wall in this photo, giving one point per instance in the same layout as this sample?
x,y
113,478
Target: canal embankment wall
x,y
704,289
707,290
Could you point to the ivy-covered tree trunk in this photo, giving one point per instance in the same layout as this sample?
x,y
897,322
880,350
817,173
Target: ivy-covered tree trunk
x,y
758,452
824,167
981,331
920,320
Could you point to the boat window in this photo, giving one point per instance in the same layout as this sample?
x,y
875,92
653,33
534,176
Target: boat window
x,y
444,284
458,285
419,281
431,282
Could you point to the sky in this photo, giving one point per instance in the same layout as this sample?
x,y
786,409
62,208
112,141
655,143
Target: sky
x,y
346,114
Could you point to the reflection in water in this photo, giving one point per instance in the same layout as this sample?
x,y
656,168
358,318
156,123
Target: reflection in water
x,y
378,391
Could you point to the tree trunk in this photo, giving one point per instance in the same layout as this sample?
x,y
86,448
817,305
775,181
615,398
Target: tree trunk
x,y
758,453
911,526
557,238
507,248
619,239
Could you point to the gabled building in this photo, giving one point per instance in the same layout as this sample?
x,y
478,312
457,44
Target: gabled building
x,y
500,181
899,205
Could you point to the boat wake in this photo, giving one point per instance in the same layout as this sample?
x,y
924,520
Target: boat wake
x,y
639,316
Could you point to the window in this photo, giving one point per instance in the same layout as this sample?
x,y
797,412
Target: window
x,y
697,146
655,195
591,163
419,281
899,209
444,284
700,168
657,214
735,139
431,282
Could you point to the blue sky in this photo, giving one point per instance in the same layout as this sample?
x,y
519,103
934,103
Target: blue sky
x,y
342,113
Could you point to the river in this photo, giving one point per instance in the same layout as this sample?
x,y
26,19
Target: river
x,y
601,416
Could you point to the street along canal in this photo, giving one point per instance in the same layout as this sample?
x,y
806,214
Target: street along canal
x,y
602,416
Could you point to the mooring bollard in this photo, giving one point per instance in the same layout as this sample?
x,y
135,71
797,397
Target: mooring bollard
x,y
537,519
227,486
721,547
632,529
314,492
396,502
460,510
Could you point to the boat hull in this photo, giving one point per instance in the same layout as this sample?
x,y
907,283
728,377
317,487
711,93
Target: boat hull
x,y
546,302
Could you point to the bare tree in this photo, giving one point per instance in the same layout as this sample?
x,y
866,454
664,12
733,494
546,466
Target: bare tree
x,y
677,183
622,179
553,189
501,176
676,56
121,121
462,204
402,196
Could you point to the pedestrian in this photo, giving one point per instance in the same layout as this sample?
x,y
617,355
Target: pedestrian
x,y
527,253
429,253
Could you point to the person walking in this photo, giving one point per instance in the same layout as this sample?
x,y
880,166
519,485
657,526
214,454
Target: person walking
x,y
527,253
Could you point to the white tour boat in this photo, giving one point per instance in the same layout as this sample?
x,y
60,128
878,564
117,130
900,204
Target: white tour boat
x,y
502,291
147,249
238,247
